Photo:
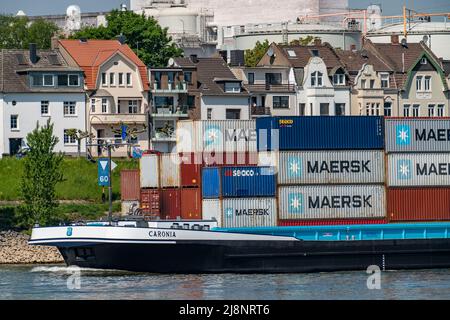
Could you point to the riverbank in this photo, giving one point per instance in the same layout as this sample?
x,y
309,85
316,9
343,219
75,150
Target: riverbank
x,y
14,249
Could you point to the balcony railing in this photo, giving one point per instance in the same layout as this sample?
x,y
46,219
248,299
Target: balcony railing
x,y
260,111
117,118
162,136
180,87
271,87
179,111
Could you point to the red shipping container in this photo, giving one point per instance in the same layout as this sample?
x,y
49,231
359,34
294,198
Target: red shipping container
x,y
130,185
329,222
191,203
170,203
190,171
418,204
150,201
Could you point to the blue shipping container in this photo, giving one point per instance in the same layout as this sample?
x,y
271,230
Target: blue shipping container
x,y
237,182
320,133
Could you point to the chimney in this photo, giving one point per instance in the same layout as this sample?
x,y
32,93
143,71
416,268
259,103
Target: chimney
x,y
33,53
194,58
55,43
122,39
353,47
394,39
317,41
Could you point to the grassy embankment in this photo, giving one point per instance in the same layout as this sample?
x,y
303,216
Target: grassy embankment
x,y
81,194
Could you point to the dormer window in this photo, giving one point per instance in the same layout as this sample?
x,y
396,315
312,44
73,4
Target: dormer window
x,y
315,52
384,80
339,79
48,80
316,79
232,87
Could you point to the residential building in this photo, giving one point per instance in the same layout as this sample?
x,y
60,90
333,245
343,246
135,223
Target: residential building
x,y
117,87
37,86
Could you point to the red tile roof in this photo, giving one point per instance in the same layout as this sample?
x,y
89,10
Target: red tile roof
x,y
90,55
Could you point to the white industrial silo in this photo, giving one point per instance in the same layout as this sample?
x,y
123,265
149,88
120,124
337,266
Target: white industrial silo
x,y
73,18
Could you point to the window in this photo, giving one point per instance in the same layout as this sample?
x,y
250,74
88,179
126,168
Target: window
x,y
171,77
69,139
188,77
44,108
104,105
209,114
302,108
112,79
324,109
117,138
93,102
440,110
431,110
133,106
423,61
37,80
385,80
273,78
74,80
232,87
128,79
316,79
339,109
406,108
233,114
251,78
419,83
363,84
48,80
372,109
104,80
158,77
121,79
315,52
69,108
339,79
372,84
427,83
292,53
280,102
388,109
63,81
14,122
416,110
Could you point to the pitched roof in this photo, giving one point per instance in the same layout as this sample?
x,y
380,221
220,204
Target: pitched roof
x,y
90,55
210,71
304,53
184,63
15,65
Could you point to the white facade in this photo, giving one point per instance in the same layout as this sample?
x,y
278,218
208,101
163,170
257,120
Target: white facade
x,y
215,107
28,110
319,95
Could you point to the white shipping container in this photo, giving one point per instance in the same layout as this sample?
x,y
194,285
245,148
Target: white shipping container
x,y
149,171
326,167
249,212
216,135
170,170
331,202
417,135
212,210
418,169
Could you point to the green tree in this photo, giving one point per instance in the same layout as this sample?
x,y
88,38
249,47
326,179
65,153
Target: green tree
x,y
42,172
253,56
19,32
303,41
79,135
143,34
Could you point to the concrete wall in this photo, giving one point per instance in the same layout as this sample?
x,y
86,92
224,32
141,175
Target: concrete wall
x,y
219,104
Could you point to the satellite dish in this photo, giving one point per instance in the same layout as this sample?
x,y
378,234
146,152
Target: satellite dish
x,y
270,52
171,62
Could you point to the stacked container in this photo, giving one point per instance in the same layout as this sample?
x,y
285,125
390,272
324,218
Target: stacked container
x,y
418,152
240,196
150,184
129,189
343,183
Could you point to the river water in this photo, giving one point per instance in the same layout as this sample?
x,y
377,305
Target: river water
x,y
61,282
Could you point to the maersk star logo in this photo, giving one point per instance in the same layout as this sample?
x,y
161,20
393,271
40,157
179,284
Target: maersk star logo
x,y
296,203
229,212
212,135
294,167
403,135
404,169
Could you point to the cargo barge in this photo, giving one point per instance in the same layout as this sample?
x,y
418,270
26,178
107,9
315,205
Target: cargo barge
x,y
199,247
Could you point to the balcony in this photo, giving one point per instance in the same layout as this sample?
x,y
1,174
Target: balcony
x,y
259,111
180,87
118,118
180,111
281,88
158,136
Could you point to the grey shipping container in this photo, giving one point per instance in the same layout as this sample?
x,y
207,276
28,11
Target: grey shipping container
x,y
417,135
327,167
170,170
212,210
331,202
417,169
149,171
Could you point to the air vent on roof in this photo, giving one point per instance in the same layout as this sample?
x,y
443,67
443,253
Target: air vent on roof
x,y
53,59
21,59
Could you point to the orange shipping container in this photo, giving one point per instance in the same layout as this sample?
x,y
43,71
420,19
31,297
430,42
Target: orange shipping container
x,y
191,203
418,204
130,185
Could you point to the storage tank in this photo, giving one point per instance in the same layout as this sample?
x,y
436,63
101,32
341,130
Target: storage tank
x,y
179,20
